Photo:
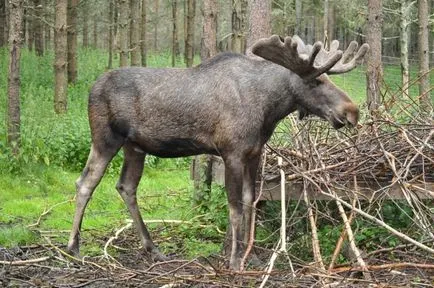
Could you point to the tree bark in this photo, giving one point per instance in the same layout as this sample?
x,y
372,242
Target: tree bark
x,y
123,32
38,28
156,18
135,33
239,23
15,43
3,23
404,36
259,20
326,21
209,33
85,24
60,62
47,28
95,31
189,41
298,11
174,32
29,27
374,72
331,21
72,40
202,164
424,85
110,40
143,34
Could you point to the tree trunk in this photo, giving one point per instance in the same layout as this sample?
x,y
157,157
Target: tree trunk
x,y
405,21
95,31
3,23
298,11
326,21
156,18
29,27
72,40
174,32
60,62
135,33
189,41
37,28
47,28
374,72
259,20
85,24
143,34
424,85
331,35
123,32
110,40
13,101
209,33
239,11
7,19
202,164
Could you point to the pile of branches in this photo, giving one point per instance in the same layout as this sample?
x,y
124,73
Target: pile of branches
x,y
389,156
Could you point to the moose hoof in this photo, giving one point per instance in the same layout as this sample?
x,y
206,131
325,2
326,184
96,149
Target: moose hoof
x,y
157,256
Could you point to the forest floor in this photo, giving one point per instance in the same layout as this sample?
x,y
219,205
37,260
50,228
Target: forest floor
x,y
47,266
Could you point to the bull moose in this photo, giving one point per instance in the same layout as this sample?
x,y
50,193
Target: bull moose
x,y
227,106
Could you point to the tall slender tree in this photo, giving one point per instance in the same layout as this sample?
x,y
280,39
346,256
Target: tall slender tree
x,y
3,23
374,71
239,25
189,41
156,21
95,30
209,32
424,85
38,28
123,32
72,40
404,36
174,32
110,38
85,19
202,164
259,20
15,43
143,38
60,62
135,33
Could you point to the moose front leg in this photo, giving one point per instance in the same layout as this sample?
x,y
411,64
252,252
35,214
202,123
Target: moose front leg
x,y
234,187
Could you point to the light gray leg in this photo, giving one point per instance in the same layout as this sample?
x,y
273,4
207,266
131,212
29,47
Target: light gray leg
x,y
86,184
127,187
234,183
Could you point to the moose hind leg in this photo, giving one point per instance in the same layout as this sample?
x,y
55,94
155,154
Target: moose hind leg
x,y
85,185
131,174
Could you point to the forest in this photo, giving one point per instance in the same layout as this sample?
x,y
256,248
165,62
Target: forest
x,y
336,208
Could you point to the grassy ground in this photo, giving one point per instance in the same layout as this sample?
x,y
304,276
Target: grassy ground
x,y
55,148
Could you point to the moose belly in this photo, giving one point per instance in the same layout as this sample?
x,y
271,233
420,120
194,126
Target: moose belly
x,y
177,147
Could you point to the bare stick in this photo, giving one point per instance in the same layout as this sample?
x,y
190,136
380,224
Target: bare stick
x,y
25,262
118,232
385,266
315,242
341,240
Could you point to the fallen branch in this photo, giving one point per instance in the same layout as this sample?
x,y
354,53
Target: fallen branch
x,y
385,266
25,262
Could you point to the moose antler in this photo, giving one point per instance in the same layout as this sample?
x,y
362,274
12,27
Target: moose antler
x,y
309,61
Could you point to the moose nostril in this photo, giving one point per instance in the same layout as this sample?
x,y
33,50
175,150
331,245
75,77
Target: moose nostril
x,y
352,116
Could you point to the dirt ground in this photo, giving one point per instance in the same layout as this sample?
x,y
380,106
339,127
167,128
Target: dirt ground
x,y
405,267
